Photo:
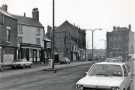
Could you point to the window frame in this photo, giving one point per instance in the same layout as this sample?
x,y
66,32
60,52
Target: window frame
x,y
20,30
38,41
8,33
38,33
20,39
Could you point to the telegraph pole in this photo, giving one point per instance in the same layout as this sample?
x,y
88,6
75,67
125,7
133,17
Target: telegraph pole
x,y
92,43
53,25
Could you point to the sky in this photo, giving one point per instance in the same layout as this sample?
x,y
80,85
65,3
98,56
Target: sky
x,y
87,14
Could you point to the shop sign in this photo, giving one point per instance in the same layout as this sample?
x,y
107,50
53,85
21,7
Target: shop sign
x,y
8,27
48,45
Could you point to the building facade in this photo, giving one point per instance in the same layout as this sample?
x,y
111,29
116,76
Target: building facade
x,y
120,42
30,37
69,41
8,36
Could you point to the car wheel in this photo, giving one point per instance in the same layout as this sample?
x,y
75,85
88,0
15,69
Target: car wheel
x,y
1,69
29,66
23,66
13,67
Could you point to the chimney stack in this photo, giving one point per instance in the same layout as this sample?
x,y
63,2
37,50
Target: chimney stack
x,y
114,28
35,14
129,26
24,14
4,7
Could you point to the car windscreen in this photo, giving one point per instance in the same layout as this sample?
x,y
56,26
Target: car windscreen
x,y
105,70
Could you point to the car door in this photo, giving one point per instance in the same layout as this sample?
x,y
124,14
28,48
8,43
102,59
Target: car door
x,y
127,77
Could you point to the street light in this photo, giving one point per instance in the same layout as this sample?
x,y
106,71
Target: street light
x,y
53,25
92,31
52,38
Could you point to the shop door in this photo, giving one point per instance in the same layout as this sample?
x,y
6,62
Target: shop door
x,y
34,55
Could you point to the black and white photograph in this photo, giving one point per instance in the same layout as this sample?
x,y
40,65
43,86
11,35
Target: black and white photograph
x,y
67,44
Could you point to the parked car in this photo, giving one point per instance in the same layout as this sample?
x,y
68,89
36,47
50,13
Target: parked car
x,y
64,60
22,63
115,59
106,76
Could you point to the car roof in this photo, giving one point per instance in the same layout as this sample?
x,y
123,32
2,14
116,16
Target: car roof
x,y
112,63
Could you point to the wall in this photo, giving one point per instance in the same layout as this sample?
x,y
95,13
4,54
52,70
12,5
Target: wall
x,y
30,34
8,47
8,21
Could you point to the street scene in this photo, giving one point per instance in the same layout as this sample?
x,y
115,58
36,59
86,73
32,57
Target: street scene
x,y
67,45
65,78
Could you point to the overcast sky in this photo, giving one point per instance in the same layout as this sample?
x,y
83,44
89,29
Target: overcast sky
x,y
87,14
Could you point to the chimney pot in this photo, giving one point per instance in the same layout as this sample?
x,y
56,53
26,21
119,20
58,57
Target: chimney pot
x,y
114,28
35,14
4,7
24,14
129,26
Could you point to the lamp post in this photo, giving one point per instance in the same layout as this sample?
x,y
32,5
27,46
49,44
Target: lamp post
x,y
53,25
52,38
92,31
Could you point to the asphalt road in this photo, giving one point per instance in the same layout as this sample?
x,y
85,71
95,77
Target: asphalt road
x,y
133,75
64,79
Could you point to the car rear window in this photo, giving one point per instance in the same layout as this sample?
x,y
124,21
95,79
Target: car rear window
x,y
106,70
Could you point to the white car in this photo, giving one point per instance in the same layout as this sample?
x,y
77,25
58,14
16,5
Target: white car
x,y
106,76
22,63
115,59
64,60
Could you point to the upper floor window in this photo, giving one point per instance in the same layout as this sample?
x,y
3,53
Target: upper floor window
x,y
19,39
38,41
38,31
1,19
20,30
8,32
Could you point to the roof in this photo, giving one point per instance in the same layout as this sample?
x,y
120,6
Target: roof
x,y
27,21
6,13
67,23
112,63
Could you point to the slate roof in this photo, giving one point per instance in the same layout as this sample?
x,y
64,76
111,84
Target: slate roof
x,y
27,21
6,13
67,23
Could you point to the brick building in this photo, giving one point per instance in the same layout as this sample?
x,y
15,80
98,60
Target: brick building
x,y
27,34
8,36
30,37
120,42
69,41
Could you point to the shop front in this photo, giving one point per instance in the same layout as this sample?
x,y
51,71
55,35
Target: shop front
x,y
7,54
30,53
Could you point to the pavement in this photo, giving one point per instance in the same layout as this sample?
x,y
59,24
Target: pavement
x,y
36,68
134,75
64,79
